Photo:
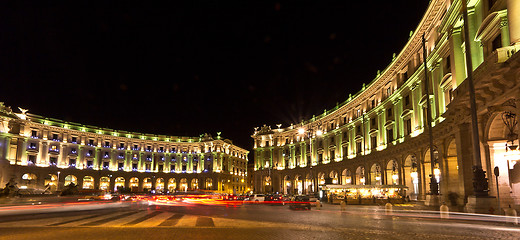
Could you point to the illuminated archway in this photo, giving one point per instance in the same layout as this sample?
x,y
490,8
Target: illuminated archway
x,y
195,184
375,175
51,182
183,184
208,184
346,177
70,179
360,176
104,183
88,182
334,176
392,173
159,184
134,184
172,185
29,180
147,184
119,183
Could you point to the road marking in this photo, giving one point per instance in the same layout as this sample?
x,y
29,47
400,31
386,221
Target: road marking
x,y
143,218
204,222
187,221
75,219
172,221
153,221
105,220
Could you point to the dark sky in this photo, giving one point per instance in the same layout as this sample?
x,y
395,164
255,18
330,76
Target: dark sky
x,y
199,66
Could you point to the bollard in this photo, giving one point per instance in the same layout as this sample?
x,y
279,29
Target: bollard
x,y
511,214
318,204
388,208
445,211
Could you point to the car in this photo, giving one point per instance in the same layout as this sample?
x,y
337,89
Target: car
x,y
274,199
300,202
257,198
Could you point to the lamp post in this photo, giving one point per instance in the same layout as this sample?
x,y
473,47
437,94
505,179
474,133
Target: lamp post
x,y
58,182
480,182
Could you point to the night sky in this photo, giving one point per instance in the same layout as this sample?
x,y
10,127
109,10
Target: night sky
x,y
184,69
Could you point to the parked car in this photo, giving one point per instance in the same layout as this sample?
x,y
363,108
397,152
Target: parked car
x,y
300,202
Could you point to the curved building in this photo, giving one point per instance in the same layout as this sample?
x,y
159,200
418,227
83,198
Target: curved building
x,y
38,152
378,137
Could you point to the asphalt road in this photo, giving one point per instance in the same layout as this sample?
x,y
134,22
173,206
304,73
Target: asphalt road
x,y
245,222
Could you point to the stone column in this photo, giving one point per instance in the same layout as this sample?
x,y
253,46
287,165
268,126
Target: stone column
x,y
458,67
476,49
513,16
44,152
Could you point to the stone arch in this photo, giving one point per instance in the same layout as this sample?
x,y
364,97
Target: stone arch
x,y
334,176
298,184
375,174
119,183
360,175
392,173
208,184
427,165
309,184
29,180
183,184
147,184
287,184
346,177
194,183
159,184
104,183
134,184
450,173
88,182
321,178
411,177
70,179
51,182
172,184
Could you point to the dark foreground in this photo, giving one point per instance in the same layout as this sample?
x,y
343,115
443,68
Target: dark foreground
x,y
245,222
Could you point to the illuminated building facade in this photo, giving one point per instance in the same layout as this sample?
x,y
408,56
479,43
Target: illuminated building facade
x,y
39,152
379,135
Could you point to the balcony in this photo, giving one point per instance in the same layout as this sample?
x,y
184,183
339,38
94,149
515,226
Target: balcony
x,y
121,148
74,152
121,157
135,149
54,151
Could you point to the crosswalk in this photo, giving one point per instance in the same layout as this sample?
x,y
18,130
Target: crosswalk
x,y
137,218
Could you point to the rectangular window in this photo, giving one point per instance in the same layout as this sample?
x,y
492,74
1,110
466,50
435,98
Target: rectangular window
x,y
120,166
373,142
90,153
134,167
407,100
34,134
161,168
161,149
390,135
72,162
90,164
55,137
389,91
332,154
106,155
389,113
31,160
106,165
74,140
408,125
184,167
73,151
121,146
358,147
53,161
32,146
107,144
91,142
